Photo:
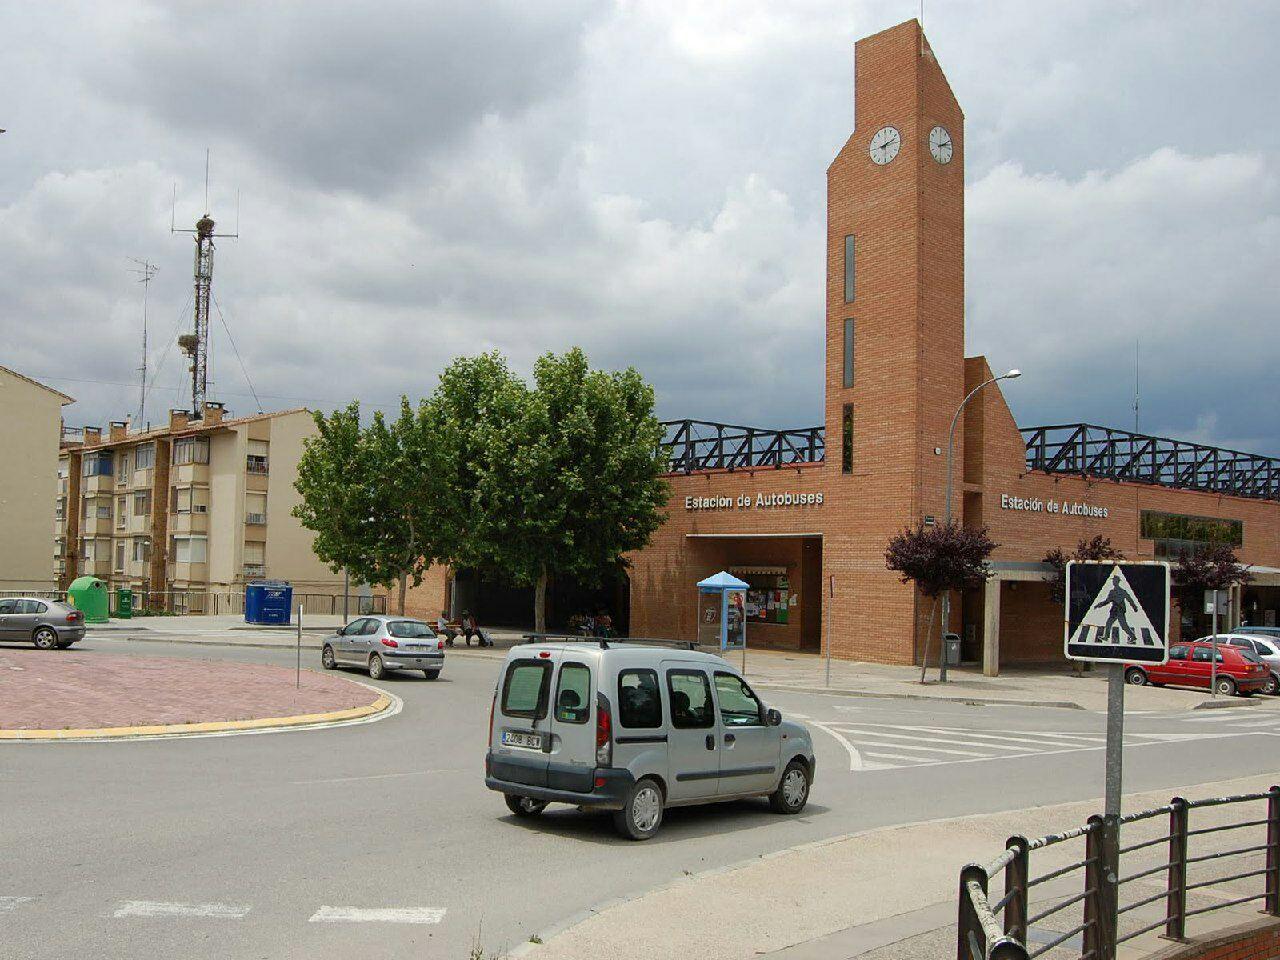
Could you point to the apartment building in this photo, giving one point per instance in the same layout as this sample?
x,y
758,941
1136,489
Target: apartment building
x,y
32,413
192,510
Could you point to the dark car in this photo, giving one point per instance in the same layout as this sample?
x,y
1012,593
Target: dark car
x,y
1191,665
48,624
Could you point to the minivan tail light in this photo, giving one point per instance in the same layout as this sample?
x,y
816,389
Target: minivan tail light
x,y
439,644
388,642
604,732
492,706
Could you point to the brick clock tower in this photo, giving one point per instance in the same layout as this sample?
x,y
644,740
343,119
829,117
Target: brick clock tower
x,y
895,333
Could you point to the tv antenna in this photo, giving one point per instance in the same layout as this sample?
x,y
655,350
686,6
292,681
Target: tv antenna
x,y
196,344
145,270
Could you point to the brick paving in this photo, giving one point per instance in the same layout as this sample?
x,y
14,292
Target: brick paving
x,y
57,690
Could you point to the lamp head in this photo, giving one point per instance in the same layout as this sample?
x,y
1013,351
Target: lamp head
x,y
1013,374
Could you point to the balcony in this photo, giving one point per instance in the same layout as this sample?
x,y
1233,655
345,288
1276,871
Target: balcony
x,y
255,482
95,568
140,524
101,483
95,526
188,522
256,519
142,479
189,572
186,474
255,571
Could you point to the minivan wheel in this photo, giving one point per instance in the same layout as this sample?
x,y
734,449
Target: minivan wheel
x,y
1136,677
524,806
327,659
377,669
45,639
1226,686
641,816
793,789
1273,685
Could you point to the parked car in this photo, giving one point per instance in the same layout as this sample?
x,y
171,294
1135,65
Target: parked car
x,y
1191,664
382,644
635,729
49,624
1268,651
1273,632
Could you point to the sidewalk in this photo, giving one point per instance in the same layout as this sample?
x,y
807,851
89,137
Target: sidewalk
x,y
891,893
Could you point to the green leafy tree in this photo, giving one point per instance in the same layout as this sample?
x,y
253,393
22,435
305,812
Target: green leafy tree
x,y
363,492
1099,548
567,477
937,558
1214,567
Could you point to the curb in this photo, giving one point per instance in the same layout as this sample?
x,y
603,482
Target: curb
x,y
1225,704
380,705
967,701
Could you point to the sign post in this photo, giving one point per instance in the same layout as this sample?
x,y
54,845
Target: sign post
x,y
831,600
1213,603
1116,613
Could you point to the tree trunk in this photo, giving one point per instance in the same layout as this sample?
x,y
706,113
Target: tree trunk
x,y
540,603
404,583
928,636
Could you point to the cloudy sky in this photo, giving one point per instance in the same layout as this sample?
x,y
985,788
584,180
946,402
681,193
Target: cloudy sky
x,y
646,179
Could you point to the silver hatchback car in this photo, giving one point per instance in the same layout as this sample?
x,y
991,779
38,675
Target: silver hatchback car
x,y
48,624
382,643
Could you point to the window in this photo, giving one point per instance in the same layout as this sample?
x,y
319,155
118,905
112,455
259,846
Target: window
x,y
846,439
849,268
738,705
370,627
353,628
410,629
97,464
1177,653
144,456
189,549
122,513
573,693
256,459
7,606
122,467
142,550
60,511
848,353
29,606
191,450
524,690
1176,533
1205,655
142,504
255,558
120,557
690,700
190,500
639,702
103,509
255,508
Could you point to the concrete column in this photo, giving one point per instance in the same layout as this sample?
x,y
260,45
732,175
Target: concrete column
x,y
991,628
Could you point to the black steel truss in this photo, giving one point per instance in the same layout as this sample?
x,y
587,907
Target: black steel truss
x,y
691,445
1089,450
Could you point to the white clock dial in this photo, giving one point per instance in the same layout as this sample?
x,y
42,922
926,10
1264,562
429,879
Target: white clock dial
x,y
885,145
940,144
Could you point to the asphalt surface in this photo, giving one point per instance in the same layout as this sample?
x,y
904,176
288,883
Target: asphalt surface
x,y
381,840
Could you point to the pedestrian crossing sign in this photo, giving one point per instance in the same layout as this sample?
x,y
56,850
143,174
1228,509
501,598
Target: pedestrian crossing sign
x,y
1117,612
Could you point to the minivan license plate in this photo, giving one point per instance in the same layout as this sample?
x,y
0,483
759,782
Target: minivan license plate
x,y
514,739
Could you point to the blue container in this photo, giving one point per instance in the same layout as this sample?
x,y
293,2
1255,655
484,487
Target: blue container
x,y
270,601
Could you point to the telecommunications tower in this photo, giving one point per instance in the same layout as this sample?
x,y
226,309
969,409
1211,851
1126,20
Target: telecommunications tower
x,y
196,344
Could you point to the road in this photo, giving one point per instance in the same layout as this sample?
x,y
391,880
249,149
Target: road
x,y
382,840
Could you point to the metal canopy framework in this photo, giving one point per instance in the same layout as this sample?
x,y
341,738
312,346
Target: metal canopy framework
x,y
691,445
1085,449
1080,449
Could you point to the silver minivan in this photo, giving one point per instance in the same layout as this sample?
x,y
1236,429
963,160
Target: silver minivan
x,y
636,728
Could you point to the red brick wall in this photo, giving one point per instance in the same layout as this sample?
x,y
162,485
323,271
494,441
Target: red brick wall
x,y
1256,940
426,600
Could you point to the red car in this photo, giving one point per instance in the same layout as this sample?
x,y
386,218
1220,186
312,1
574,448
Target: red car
x,y
1190,665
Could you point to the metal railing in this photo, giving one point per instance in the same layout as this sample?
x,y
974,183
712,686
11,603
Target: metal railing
x,y
1002,929
1085,449
691,445
216,602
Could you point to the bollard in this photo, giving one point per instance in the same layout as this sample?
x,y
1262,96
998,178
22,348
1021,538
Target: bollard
x,y
971,939
1101,844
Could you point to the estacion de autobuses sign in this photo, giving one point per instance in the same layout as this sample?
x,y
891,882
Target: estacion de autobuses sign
x,y
1062,508
761,501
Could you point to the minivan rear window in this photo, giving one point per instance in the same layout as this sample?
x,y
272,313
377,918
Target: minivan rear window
x,y
639,702
524,690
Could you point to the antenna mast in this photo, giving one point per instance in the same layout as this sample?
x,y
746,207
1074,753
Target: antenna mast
x,y
145,271
1135,386
196,344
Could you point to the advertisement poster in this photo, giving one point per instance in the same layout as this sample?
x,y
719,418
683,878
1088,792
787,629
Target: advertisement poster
x,y
735,619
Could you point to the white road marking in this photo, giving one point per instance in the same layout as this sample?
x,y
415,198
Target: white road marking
x,y
867,738
378,915
377,776
855,758
876,731
1013,736
156,908
8,903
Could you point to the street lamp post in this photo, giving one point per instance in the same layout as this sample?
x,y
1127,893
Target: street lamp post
x,y
951,442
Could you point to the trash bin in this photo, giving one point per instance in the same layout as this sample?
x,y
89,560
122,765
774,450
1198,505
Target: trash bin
x,y
124,603
951,647
89,596
268,602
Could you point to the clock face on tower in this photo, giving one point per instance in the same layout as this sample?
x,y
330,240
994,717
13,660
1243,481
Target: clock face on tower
x,y
940,144
885,145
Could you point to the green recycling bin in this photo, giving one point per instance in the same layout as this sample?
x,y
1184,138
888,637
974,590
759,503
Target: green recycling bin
x,y
89,596
124,603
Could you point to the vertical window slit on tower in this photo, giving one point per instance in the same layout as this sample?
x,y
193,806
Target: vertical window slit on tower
x,y
846,439
848,353
848,269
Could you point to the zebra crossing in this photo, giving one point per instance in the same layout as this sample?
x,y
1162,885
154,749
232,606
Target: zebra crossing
x,y
171,910
890,746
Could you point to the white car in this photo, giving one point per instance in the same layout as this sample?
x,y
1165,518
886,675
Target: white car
x,y
1267,649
